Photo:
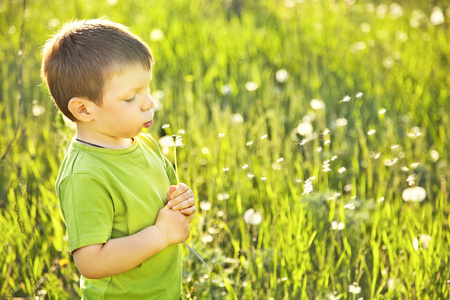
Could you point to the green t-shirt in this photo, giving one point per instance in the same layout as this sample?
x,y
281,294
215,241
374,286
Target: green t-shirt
x,y
111,193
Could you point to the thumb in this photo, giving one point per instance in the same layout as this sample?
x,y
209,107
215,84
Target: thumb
x,y
172,188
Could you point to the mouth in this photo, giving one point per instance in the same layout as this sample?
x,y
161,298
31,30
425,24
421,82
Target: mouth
x,y
148,124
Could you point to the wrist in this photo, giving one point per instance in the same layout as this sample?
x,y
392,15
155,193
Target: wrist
x,y
162,236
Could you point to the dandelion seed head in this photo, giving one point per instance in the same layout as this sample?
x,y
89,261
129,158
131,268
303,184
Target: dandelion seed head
x,y
252,217
365,27
156,35
317,104
223,196
341,122
388,62
434,155
37,109
354,288
348,187
411,179
205,150
437,16
236,119
414,194
282,75
205,205
305,129
206,238
425,241
251,86
395,11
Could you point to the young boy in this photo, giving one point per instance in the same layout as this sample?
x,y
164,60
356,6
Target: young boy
x,y
124,212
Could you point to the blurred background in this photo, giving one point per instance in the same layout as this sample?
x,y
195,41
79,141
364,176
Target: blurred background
x,y
315,137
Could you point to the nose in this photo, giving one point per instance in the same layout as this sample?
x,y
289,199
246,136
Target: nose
x,y
147,102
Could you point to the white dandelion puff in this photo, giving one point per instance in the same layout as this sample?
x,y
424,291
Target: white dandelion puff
x,y
252,217
236,119
205,205
425,241
305,129
335,225
414,194
226,89
251,86
437,16
341,122
317,104
282,75
156,35
354,288
434,155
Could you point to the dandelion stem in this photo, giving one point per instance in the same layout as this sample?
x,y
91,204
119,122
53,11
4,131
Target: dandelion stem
x,y
174,137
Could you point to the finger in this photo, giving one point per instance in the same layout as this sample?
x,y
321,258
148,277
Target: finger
x,y
188,211
170,191
180,189
184,204
181,198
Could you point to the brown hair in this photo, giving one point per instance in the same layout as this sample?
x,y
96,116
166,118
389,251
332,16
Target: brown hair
x,y
83,55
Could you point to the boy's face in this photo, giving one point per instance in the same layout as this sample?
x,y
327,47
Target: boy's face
x,y
127,106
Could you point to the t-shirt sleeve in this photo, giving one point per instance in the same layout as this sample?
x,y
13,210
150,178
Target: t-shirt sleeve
x,y
87,209
170,171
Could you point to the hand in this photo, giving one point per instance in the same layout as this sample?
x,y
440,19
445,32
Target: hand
x,y
173,225
181,198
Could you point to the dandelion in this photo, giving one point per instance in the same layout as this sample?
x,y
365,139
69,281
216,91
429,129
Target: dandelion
x,y
359,95
347,98
434,155
381,10
370,132
205,205
252,217
223,196
38,110
388,62
342,170
305,129
437,16
156,35
282,75
348,187
354,288
417,18
335,225
341,122
317,104
425,241
251,86
206,238
395,11
358,46
414,194
236,119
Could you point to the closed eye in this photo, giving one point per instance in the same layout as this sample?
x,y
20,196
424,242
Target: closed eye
x,y
129,100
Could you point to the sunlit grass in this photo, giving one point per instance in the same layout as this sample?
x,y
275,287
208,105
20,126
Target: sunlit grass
x,y
315,140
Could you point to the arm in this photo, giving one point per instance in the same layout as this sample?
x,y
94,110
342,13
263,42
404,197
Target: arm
x,y
181,198
122,254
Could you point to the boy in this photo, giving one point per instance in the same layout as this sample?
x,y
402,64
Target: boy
x,y
114,182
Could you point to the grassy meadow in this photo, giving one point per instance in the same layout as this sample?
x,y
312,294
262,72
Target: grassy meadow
x,y
316,139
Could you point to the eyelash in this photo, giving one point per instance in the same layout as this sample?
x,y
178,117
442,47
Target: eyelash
x,y
129,100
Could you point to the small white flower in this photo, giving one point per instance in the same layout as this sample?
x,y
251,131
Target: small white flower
x,y
37,109
249,143
245,166
250,175
280,159
347,98
370,132
395,11
165,126
226,169
359,95
335,225
156,35
434,155
264,137
221,134
425,241
282,75
354,288
382,111
342,170
223,196
350,206
381,199
252,217
414,194
206,238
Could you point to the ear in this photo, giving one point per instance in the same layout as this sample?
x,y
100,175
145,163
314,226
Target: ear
x,y
81,109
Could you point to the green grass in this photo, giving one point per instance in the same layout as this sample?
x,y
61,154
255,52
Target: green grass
x,y
329,50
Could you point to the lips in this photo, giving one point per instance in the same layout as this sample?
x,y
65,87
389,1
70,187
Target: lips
x,y
148,124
